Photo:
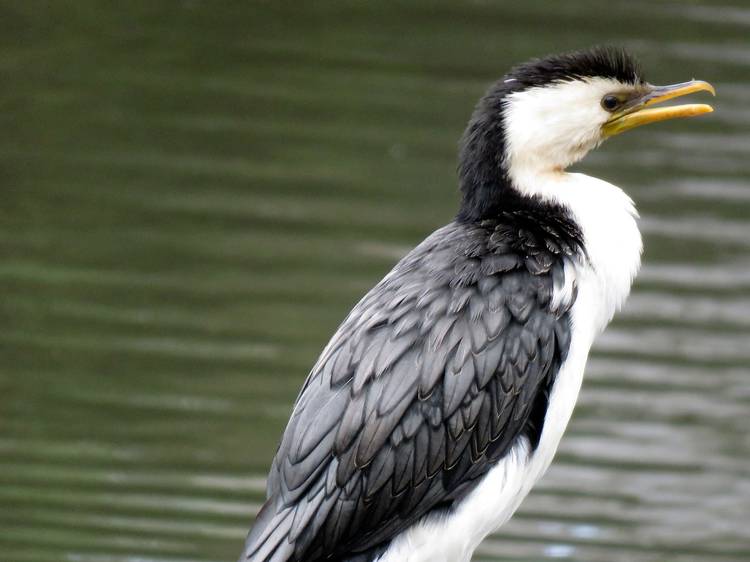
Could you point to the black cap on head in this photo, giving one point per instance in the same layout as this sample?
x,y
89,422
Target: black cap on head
x,y
601,62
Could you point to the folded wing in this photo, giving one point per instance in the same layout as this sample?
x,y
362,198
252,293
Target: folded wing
x,y
429,381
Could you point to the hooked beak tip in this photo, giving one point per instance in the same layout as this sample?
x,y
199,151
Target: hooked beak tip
x,y
639,113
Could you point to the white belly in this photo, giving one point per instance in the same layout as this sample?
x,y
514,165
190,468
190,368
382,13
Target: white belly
x,y
607,218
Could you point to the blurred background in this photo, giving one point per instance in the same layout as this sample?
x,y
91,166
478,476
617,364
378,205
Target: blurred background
x,y
194,194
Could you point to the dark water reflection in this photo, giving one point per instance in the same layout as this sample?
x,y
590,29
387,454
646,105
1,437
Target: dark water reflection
x,y
194,195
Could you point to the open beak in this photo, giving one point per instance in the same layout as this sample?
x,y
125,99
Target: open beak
x,y
637,112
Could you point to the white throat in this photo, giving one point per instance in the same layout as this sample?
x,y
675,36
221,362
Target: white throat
x,y
607,218
548,128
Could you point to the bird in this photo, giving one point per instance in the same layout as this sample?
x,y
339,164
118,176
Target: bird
x,y
442,397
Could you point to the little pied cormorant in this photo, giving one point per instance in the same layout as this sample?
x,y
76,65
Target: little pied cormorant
x,y
441,399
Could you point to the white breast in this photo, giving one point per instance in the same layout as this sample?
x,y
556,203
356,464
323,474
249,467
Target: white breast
x,y
613,243
606,216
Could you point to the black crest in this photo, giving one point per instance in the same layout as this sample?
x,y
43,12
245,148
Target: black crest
x,y
481,169
601,62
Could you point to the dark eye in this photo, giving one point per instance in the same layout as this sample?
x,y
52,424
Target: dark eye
x,y
610,103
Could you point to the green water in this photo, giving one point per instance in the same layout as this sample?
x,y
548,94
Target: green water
x,y
195,193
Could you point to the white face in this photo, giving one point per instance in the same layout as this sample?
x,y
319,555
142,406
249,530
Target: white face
x,y
549,128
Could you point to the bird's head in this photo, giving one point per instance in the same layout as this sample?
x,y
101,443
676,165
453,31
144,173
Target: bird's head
x,y
547,114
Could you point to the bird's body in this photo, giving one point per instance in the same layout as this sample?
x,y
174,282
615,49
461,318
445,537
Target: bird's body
x,y
442,397
604,213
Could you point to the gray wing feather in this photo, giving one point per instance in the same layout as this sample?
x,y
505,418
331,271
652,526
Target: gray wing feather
x,y
426,384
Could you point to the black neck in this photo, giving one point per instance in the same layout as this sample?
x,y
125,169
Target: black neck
x,y
482,173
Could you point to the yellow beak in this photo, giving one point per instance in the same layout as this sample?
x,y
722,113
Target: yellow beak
x,y
636,112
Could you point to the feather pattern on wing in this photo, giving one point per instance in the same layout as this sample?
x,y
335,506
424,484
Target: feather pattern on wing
x,y
427,383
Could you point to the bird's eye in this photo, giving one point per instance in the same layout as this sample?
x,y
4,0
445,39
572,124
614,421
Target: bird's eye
x,y
610,103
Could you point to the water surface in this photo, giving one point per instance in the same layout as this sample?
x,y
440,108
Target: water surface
x,y
194,195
